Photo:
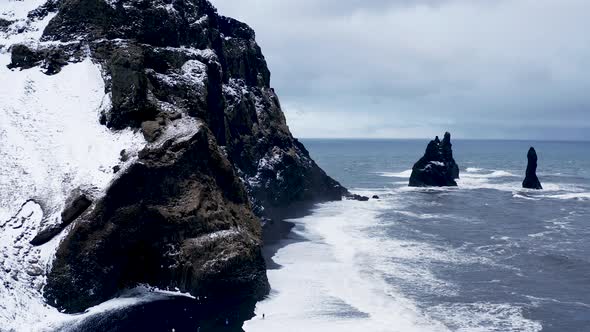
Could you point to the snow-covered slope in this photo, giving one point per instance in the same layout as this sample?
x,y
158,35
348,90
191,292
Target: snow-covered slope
x,y
51,142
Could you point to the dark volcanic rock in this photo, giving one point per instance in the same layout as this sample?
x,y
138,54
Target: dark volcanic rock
x,y
76,205
151,130
436,168
187,213
50,6
129,87
24,57
179,218
47,235
4,24
52,58
356,197
531,181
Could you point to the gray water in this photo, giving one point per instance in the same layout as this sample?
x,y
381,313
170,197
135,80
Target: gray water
x,y
512,249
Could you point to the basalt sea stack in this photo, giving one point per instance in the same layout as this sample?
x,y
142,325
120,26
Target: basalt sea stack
x,y
183,211
531,181
436,168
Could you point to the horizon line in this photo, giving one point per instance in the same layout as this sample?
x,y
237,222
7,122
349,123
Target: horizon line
x,y
455,139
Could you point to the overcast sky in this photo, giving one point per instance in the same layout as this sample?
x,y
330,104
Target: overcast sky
x,y
415,68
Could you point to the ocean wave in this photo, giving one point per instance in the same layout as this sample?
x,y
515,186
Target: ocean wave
x,y
540,234
404,174
132,297
545,299
581,196
524,196
420,215
471,173
426,189
551,190
494,174
369,192
484,316
360,298
378,277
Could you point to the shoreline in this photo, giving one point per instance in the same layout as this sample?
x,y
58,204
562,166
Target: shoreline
x,y
278,233
183,313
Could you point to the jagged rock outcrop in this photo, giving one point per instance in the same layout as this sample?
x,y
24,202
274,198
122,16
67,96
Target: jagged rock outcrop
x,y
4,24
76,205
186,213
178,218
437,168
356,197
531,181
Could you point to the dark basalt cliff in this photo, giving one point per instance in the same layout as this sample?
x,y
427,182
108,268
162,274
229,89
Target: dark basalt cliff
x,y
437,168
186,213
179,218
531,181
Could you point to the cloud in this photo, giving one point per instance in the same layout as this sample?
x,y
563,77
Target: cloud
x,y
414,68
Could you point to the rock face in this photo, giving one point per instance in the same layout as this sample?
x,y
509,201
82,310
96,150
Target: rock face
x,y
76,204
436,168
219,155
178,218
531,181
4,24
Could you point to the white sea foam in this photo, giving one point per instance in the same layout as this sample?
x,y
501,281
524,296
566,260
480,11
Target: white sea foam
x,y
405,174
471,173
473,178
133,297
484,317
326,283
582,196
420,215
493,174
524,196
544,299
349,276
512,184
540,234
479,178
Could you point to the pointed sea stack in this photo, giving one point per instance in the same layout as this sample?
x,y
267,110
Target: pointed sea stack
x,y
436,168
531,181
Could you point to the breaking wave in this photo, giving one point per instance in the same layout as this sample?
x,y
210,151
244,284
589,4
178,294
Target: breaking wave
x,y
350,274
404,175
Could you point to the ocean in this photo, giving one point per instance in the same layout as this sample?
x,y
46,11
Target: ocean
x,y
486,256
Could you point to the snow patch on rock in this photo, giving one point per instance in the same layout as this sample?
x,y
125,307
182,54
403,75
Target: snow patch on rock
x,y
195,72
208,53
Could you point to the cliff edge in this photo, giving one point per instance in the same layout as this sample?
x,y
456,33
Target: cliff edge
x,y
184,210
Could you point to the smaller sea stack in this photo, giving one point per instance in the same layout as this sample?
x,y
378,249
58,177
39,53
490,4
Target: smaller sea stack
x,y
531,181
436,168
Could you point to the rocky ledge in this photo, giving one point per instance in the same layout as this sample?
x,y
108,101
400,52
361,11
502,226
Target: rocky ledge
x,y
436,168
531,181
185,212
